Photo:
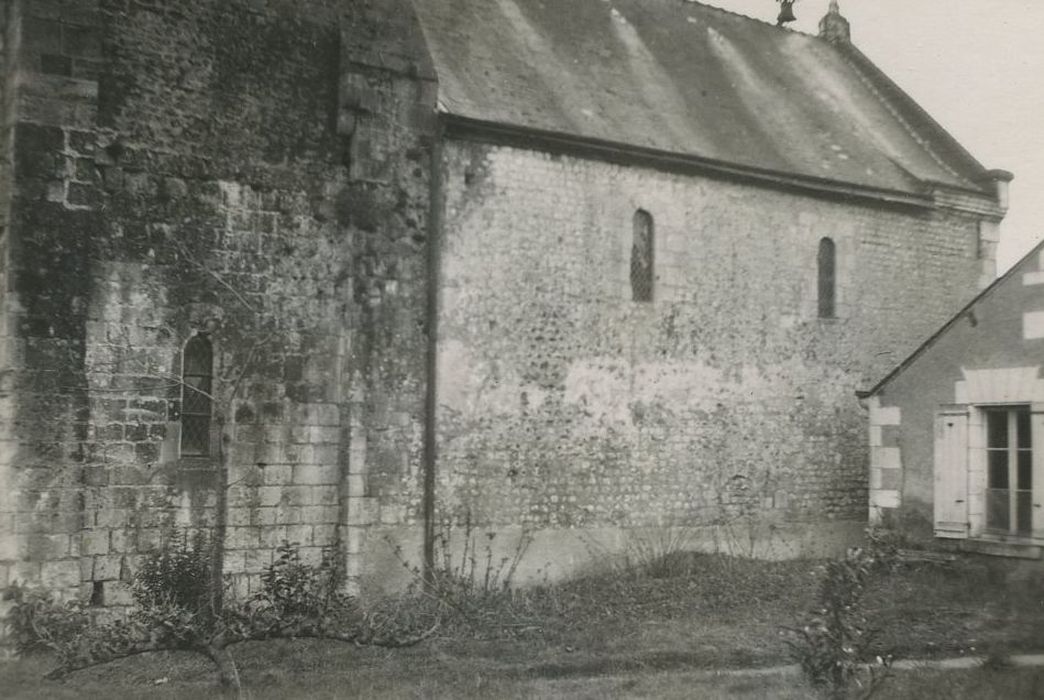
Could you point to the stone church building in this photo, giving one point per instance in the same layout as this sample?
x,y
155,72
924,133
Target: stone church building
x,y
355,273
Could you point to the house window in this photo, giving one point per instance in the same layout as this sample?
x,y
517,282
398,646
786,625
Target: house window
x,y
1009,470
196,403
827,278
642,257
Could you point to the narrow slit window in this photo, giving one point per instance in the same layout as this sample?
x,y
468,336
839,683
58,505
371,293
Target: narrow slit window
x,y
827,265
642,257
196,404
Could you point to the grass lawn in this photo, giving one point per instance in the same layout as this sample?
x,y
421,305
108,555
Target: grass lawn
x,y
625,635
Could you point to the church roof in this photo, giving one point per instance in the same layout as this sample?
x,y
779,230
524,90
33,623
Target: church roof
x,y
684,78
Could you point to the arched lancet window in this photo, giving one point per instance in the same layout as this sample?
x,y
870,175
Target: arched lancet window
x,y
827,266
642,257
197,370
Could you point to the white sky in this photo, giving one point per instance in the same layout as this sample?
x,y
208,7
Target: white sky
x,y
977,66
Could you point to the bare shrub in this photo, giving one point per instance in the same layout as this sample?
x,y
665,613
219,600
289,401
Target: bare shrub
x,y
836,645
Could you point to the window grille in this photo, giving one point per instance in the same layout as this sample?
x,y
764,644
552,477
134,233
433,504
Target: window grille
x,y
827,264
642,257
196,403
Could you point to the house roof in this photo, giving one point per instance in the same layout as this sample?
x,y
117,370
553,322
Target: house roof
x,y
685,78
1015,270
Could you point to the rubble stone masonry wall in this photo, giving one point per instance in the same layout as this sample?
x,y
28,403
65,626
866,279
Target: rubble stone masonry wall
x,y
227,167
565,405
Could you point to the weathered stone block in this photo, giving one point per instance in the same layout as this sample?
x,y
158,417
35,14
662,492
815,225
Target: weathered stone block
x,y
108,568
255,560
86,568
270,516
356,484
891,479
301,534
325,496
235,561
278,474
95,542
298,495
243,537
307,474
60,574
323,535
117,593
25,572
269,495
392,514
311,556
363,511
272,535
241,587
355,539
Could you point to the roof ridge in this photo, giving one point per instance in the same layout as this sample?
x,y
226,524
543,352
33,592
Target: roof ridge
x,y
740,14
923,347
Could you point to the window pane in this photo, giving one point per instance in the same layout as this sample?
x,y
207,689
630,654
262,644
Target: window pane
x,y
642,257
997,507
1025,462
198,356
996,429
195,435
1024,511
196,395
1023,427
197,380
998,469
827,282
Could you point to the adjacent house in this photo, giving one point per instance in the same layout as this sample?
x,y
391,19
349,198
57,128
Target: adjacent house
x,y
356,274
956,429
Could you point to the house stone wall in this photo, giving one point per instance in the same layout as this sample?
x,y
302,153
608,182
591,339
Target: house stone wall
x,y
241,169
989,355
567,408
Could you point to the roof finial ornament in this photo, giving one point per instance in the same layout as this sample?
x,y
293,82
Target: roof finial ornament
x,y
834,27
786,12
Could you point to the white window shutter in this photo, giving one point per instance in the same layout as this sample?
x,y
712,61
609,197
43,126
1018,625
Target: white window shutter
x,y
951,472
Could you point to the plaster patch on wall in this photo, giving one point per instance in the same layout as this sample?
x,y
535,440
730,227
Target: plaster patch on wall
x,y
470,387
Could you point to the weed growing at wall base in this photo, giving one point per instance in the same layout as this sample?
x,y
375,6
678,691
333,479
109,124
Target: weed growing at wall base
x,y
174,611
471,588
